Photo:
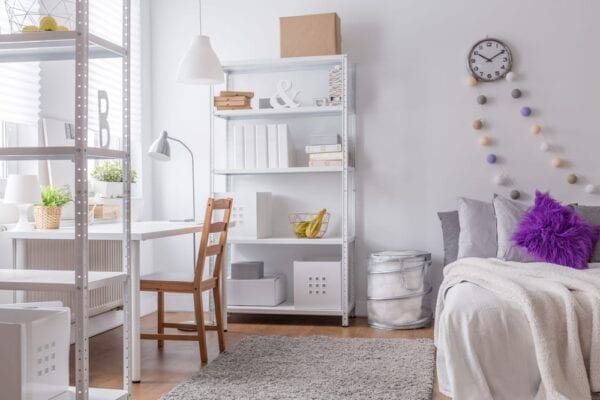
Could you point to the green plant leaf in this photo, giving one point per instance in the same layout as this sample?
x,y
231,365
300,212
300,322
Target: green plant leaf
x,y
111,171
54,197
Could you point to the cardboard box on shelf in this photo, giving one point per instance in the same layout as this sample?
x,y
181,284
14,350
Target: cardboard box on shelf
x,y
310,35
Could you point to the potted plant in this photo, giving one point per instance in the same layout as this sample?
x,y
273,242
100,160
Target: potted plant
x,y
47,213
108,178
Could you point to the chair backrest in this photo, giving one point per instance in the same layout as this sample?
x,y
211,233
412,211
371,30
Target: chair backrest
x,y
219,228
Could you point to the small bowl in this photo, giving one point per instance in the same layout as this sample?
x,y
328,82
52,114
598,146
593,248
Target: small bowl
x,y
296,218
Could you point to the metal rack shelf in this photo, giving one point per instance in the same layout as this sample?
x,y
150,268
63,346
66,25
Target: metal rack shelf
x,y
338,115
53,46
57,153
308,111
80,46
54,280
293,170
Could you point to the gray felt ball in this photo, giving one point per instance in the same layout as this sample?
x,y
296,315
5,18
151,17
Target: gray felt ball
x,y
481,99
516,93
515,194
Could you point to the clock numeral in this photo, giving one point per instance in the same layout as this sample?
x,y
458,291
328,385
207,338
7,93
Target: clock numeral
x,y
497,73
489,44
473,61
489,75
505,59
481,73
476,53
480,47
503,67
475,69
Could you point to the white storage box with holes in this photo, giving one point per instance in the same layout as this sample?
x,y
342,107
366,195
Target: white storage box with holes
x,y
250,214
34,349
267,292
318,284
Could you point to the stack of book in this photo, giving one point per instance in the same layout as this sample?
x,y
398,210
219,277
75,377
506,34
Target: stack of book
x,y
325,155
229,100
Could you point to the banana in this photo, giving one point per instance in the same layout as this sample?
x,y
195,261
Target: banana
x,y
300,229
315,225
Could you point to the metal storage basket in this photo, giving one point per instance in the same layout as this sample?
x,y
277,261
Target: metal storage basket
x,y
398,294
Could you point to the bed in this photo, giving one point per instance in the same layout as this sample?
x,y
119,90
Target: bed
x,y
485,346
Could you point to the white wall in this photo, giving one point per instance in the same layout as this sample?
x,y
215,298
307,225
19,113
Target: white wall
x,y
416,150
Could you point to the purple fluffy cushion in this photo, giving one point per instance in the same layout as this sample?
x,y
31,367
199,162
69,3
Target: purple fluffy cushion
x,y
554,233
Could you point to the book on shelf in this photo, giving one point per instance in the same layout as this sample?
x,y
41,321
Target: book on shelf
x,y
249,147
323,148
338,155
227,108
283,146
262,157
272,146
233,93
232,103
238,147
324,163
220,99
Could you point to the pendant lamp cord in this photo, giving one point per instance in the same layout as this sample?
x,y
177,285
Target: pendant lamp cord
x,y
200,15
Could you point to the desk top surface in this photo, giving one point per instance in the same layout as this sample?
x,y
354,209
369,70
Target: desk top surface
x,y
143,230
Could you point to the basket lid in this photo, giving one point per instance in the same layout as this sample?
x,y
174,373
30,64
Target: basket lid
x,y
391,261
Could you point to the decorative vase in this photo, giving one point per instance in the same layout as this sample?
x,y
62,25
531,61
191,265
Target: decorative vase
x,y
47,217
109,189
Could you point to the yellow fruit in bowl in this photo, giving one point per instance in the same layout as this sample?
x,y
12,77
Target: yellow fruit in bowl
x,y
48,23
62,28
30,28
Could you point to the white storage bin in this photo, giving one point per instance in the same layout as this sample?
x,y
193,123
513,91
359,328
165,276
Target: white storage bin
x,y
318,284
34,350
250,214
267,292
408,312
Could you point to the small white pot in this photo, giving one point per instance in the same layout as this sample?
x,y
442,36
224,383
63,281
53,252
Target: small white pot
x,y
109,189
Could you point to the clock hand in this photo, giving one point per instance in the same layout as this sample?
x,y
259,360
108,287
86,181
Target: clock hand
x,y
501,52
487,59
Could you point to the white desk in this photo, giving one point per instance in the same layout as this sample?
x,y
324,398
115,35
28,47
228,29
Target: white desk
x,y
140,231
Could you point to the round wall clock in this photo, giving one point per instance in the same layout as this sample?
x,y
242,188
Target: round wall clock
x,y
489,60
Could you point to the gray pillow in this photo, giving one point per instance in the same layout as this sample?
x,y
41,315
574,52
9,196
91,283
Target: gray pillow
x,y
477,236
591,215
508,216
450,232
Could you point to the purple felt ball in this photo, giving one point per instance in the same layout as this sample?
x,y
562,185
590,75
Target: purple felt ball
x,y
491,158
525,111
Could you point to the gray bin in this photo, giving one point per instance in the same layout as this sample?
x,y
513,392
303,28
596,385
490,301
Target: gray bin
x,y
398,294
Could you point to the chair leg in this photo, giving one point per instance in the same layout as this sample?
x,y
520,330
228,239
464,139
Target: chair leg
x,y
199,312
219,318
161,317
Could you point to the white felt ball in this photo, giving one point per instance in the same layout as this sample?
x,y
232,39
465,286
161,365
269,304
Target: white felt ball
x,y
544,147
511,76
557,162
590,188
470,81
500,179
485,141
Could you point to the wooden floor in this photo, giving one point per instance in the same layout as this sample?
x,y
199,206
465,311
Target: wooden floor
x,y
163,369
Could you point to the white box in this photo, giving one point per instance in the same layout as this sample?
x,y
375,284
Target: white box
x,y
34,350
262,156
250,214
249,147
238,147
272,146
267,292
318,284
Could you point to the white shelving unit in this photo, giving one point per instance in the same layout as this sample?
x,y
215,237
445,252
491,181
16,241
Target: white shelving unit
x,y
80,46
339,118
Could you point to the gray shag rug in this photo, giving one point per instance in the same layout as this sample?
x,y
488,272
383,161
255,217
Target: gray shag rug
x,y
315,367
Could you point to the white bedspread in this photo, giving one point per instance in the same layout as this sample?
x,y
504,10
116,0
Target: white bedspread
x,y
518,331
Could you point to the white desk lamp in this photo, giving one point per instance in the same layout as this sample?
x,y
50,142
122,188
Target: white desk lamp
x,y
24,191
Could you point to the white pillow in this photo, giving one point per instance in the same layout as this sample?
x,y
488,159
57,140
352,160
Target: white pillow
x,y
477,236
508,216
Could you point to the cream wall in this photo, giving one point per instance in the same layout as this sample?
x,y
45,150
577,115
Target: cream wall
x,y
416,150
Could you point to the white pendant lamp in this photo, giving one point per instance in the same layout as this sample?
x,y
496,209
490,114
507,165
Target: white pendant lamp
x,y
200,65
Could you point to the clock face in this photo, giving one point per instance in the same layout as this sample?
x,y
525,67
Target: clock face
x,y
489,60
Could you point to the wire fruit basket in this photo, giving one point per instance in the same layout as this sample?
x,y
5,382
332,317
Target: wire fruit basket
x,y
22,13
305,217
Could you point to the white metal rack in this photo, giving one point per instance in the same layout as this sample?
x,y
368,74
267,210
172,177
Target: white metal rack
x,y
343,114
80,46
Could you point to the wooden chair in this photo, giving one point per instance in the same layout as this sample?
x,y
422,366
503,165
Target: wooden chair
x,y
195,284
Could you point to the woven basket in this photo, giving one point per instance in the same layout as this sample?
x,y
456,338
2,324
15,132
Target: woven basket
x,y
296,218
47,217
29,12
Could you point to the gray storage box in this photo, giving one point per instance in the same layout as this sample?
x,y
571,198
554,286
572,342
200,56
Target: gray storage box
x,y
398,294
247,270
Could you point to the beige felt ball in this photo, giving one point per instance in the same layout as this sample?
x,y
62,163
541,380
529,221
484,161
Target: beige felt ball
x,y
557,162
572,179
536,129
470,81
477,124
485,141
